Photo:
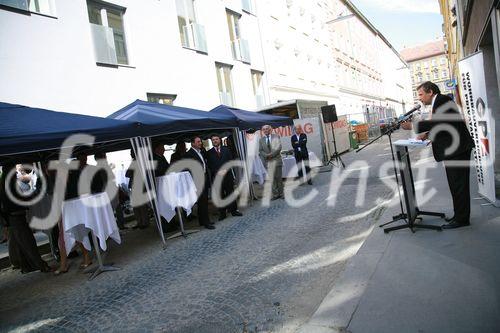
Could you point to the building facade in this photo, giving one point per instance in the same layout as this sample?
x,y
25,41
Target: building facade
x,y
297,50
94,57
370,72
429,62
470,27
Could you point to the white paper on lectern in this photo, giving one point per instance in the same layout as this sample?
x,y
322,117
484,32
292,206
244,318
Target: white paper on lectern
x,y
412,143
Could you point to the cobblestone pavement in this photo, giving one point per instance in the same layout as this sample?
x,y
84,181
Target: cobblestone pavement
x,y
268,271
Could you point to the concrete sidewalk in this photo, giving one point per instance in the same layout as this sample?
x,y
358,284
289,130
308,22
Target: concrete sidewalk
x,y
429,281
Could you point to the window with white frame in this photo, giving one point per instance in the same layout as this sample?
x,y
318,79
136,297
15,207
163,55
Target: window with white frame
x,y
434,63
161,98
444,74
436,74
45,7
192,33
443,61
258,88
239,46
106,22
247,6
225,84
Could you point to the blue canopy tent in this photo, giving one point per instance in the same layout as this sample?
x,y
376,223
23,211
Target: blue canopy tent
x,y
34,134
163,119
176,122
251,120
27,132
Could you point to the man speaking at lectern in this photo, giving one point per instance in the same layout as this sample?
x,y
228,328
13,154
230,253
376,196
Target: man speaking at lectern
x,y
452,144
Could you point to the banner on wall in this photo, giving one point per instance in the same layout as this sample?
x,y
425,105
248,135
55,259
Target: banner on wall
x,y
310,126
479,121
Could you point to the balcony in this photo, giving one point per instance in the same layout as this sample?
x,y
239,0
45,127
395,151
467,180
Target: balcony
x,y
194,37
259,100
226,98
241,50
104,44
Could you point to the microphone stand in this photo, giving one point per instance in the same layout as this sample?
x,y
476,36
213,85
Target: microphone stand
x,y
391,129
403,216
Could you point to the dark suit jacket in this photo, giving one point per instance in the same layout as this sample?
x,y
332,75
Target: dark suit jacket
x,y
445,112
191,154
215,162
161,165
299,144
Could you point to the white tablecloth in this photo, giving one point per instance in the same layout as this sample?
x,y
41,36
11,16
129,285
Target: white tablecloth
x,y
177,189
89,213
258,171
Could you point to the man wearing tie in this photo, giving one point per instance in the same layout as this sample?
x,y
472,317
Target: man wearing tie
x,y
270,154
195,154
216,158
446,129
299,144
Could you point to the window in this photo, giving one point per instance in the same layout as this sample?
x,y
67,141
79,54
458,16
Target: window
x,y
434,63
436,74
192,34
106,22
425,64
443,61
239,46
45,7
247,6
444,74
428,76
258,89
225,84
161,98
19,4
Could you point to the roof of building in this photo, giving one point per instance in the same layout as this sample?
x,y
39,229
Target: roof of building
x,y
423,51
370,26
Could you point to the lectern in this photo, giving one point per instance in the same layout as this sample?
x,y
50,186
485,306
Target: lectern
x,y
413,213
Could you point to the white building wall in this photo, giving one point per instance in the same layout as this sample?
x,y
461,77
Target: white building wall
x,y
297,50
369,72
49,62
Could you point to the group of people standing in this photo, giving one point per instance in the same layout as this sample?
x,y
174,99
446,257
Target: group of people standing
x,y
211,162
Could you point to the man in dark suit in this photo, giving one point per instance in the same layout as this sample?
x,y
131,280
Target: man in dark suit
x,y
161,164
299,144
451,143
195,154
216,158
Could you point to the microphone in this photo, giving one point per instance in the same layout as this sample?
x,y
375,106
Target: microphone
x,y
415,108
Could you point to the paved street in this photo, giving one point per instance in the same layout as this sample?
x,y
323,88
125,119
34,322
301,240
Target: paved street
x,y
268,270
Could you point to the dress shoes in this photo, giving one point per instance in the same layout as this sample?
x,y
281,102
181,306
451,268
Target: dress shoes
x,y
309,182
454,224
450,219
222,216
236,213
209,226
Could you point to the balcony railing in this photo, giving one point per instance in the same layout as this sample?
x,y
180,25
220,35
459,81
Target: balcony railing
x,y
104,44
241,50
194,37
226,98
259,100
